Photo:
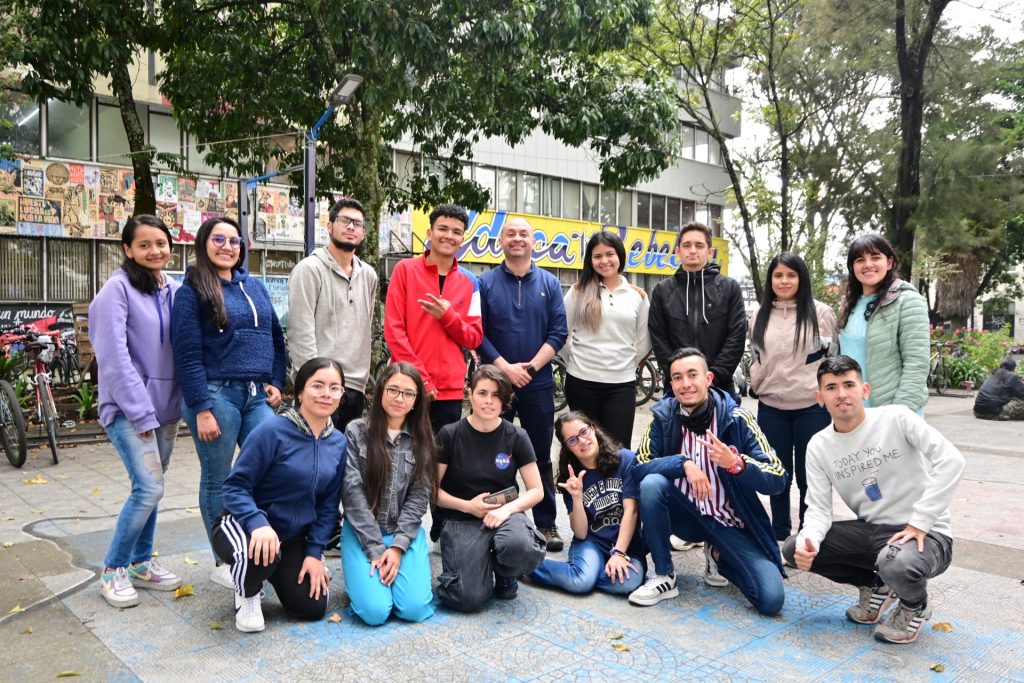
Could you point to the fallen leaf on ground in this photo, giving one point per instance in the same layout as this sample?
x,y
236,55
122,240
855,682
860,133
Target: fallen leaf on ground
x,y
38,479
189,560
68,674
38,512
63,476
943,626
216,627
937,667
192,511
156,553
187,589
16,609
8,544
334,618
619,647
617,636
28,630
95,492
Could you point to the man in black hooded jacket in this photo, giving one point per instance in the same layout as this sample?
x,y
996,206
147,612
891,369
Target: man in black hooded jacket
x,y
1001,397
699,307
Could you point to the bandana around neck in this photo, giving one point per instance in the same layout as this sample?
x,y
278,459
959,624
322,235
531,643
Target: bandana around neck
x,y
698,421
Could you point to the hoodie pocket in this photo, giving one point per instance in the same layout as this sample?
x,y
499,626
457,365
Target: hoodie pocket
x,y
165,395
249,355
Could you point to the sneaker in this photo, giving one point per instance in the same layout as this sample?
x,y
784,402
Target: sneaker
x,y
221,575
679,544
555,543
654,590
505,587
249,613
711,575
117,589
151,575
871,606
903,624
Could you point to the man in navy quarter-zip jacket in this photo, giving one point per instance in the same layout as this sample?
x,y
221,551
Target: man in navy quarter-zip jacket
x,y
524,327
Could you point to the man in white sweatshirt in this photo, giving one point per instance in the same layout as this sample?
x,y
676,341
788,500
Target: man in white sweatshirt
x,y
898,475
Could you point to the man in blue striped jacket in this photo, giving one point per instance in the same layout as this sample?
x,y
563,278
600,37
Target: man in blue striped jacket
x,y
700,466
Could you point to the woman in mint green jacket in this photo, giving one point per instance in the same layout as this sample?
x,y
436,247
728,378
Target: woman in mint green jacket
x,y
883,325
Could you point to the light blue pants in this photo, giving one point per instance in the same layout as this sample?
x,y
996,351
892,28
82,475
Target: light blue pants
x,y
584,572
409,597
146,461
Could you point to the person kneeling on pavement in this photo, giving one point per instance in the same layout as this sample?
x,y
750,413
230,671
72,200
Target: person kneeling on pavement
x,y
281,502
898,475
1001,397
486,539
701,465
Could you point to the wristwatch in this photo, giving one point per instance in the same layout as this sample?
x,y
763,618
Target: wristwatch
x,y
739,465
531,370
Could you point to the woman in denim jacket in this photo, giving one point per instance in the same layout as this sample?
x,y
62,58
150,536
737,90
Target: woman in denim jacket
x,y
387,489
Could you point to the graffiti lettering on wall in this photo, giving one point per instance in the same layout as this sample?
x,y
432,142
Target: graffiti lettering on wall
x,y
12,315
561,243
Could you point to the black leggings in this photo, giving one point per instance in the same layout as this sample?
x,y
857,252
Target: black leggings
x,y
612,406
232,545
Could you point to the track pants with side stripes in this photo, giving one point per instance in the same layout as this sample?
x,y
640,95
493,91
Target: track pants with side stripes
x,y
232,545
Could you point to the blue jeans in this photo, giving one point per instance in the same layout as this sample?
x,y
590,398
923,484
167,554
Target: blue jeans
x,y
146,461
239,407
584,572
665,510
409,596
788,431
536,411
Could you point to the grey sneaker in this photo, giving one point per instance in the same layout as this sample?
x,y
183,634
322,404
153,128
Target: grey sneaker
x,y
872,604
249,613
711,575
654,590
152,576
555,543
903,625
117,589
679,544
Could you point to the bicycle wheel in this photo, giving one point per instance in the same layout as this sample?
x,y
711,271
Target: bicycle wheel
x,y
941,376
48,409
646,379
12,426
558,373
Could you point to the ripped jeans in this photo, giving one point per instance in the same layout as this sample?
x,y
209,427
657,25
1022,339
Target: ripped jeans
x,y
146,461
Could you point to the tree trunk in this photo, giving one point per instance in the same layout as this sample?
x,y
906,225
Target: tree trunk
x,y
145,193
913,45
367,185
956,291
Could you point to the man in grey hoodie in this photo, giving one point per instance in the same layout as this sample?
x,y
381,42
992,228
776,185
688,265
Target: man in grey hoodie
x,y
331,301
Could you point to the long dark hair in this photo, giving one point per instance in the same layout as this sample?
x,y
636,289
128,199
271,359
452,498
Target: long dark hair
x,y
588,291
607,449
872,243
141,278
203,275
806,313
378,463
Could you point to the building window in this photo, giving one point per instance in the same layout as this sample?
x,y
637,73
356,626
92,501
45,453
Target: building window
x,y
714,153
255,261
570,199
69,270
657,212
67,130
686,141
405,169
506,200
625,207
280,262
643,210
672,212
701,214
608,209
552,197
164,134
590,209
197,159
716,219
112,141
23,113
531,193
434,168
21,269
700,147
109,256
485,179
688,212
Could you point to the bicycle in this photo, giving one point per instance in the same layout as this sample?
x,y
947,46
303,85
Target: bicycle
x,y
41,350
558,375
938,369
648,380
12,426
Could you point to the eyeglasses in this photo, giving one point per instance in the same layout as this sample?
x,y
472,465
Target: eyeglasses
x,y
221,240
345,221
320,389
583,434
394,392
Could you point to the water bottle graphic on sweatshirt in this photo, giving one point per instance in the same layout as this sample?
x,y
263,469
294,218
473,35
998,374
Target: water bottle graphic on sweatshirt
x,y
871,489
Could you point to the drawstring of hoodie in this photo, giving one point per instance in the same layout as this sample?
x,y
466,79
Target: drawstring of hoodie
x,y
160,310
703,300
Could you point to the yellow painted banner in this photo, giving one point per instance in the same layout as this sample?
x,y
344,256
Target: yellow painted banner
x,y
561,242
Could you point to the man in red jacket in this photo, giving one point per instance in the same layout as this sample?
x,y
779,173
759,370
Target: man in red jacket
x,y
432,311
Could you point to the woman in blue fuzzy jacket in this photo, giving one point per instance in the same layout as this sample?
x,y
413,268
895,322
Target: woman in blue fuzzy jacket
x,y
230,358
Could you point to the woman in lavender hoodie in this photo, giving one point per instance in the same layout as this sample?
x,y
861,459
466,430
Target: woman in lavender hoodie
x,y
139,400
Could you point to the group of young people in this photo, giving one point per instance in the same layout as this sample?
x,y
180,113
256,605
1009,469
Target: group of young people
x,y
212,351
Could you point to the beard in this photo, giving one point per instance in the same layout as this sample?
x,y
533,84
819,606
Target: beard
x,y
344,246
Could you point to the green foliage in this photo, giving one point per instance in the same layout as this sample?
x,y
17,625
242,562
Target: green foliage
x,y
87,398
23,391
11,365
977,354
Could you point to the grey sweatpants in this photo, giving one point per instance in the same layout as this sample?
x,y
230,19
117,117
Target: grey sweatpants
x,y
471,554
855,552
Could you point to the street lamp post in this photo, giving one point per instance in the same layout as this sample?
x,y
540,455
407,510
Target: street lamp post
x,y
341,95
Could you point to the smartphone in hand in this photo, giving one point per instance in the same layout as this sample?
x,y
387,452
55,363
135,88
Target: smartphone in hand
x,y
502,497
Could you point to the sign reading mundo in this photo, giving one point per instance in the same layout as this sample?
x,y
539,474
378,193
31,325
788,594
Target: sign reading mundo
x,y
561,242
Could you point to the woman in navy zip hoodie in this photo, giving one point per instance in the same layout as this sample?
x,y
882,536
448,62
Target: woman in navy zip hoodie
x,y
230,358
281,501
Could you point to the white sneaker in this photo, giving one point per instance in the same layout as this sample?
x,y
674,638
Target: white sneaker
x,y
711,575
117,588
679,544
249,613
654,590
221,575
